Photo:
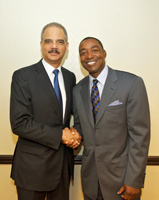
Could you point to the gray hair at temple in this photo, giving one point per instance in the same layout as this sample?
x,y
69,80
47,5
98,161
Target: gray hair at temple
x,y
54,24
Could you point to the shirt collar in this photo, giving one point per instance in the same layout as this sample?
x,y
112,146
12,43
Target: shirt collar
x,y
101,77
49,68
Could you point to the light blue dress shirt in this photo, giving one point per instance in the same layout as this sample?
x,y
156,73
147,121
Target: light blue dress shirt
x,y
101,80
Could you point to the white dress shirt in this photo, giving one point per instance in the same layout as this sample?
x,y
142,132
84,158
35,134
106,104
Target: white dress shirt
x,y
49,69
101,80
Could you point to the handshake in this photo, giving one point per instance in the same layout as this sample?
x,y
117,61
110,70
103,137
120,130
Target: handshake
x,y
71,138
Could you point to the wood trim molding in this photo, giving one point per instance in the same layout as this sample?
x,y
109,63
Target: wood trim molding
x,y
7,159
153,160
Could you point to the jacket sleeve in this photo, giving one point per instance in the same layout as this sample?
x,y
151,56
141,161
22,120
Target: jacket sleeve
x,y
138,122
77,124
22,119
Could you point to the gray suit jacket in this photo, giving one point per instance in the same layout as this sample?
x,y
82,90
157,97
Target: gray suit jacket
x,y
116,148
37,119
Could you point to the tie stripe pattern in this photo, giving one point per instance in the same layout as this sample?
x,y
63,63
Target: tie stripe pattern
x,y
57,88
95,98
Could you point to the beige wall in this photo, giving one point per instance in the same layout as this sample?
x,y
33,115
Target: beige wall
x,y
129,31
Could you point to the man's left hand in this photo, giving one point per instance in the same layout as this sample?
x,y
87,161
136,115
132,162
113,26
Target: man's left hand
x,y
129,193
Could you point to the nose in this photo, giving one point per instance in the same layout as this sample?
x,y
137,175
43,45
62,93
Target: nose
x,y
89,55
54,44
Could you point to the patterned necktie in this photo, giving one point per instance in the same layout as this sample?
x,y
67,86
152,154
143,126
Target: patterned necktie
x,y
57,88
95,99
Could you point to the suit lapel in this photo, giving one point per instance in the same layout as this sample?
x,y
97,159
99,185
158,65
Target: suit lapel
x,y
46,85
85,94
108,91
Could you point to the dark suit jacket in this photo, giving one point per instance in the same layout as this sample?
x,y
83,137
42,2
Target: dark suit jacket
x,y
37,119
116,148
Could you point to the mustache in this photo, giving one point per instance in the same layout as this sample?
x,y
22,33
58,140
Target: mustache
x,y
54,51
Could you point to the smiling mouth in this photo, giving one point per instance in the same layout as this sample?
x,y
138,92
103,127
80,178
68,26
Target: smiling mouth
x,y
91,63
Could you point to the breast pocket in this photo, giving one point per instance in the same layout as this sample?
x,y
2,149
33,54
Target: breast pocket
x,y
116,114
116,107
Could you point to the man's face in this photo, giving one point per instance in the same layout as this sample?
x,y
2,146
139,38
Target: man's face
x,y
53,46
92,56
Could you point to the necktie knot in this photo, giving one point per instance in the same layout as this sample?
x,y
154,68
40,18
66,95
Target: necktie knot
x,y
56,71
95,81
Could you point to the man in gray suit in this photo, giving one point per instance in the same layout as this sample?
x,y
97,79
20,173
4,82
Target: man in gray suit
x,y
111,113
40,110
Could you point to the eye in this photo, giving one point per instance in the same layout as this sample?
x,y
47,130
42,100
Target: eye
x,y
82,53
95,50
60,41
48,41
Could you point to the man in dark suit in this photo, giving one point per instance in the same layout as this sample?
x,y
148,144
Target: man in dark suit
x,y
111,113
40,110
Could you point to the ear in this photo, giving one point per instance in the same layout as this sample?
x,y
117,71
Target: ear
x,y
105,54
67,45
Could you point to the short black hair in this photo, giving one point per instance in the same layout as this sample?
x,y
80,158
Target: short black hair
x,y
87,38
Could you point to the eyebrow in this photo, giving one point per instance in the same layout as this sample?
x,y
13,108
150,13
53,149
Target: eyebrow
x,y
82,49
47,39
95,46
60,39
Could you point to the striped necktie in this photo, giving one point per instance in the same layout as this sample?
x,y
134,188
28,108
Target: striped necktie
x,y
95,99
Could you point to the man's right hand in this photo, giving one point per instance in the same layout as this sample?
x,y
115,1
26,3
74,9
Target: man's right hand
x,y
71,137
